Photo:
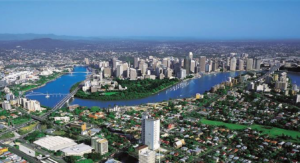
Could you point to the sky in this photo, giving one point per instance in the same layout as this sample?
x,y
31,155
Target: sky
x,y
205,19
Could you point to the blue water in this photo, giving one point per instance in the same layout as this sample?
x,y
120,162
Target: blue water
x,y
183,90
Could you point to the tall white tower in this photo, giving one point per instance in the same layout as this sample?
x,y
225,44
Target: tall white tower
x,y
152,133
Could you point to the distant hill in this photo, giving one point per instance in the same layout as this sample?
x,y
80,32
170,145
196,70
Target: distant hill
x,y
42,43
30,36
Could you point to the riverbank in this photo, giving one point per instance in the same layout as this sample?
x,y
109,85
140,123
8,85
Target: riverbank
x,y
135,90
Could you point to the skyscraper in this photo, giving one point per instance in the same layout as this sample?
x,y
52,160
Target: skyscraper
x,y
144,117
257,63
187,63
136,62
241,64
233,64
152,133
133,74
191,55
193,65
119,72
202,63
249,65
114,65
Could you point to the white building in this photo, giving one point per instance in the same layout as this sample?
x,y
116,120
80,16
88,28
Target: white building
x,y
233,64
100,145
63,119
119,73
249,65
147,156
77,150
133,74
55,143
152,133
182,73
6,105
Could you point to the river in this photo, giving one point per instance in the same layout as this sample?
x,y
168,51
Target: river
x,y
185,89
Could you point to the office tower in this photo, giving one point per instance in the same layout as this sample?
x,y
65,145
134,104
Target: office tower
x,y
202,63
282,85
100,145
241,64
144,68
119,72
165,62
6,105
145,116
257,63
213,66
249,65
169,63
114,64
101,75
141,63
125,70
191,55
87,61
136,62
168,73
193,65
133,74
208,67
228,61
187,63
182,73
152,133
159,71
147,156
233,64
107,72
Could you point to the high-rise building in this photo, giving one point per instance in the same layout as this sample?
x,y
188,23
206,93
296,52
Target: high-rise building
x,y
133,74
187,63
119,72
249,65
107,72
193,65
233,64
257,64
165,62
152,133
241,64
145,116
202,63
182,73
191,55
114,65
6,105
100,145
87,61
136,62
228,61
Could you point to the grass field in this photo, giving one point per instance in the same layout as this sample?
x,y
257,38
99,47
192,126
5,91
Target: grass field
x,y
7,135
59,133
27,129
109,93
272,131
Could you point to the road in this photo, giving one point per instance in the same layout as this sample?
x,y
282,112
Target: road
x,y
21,154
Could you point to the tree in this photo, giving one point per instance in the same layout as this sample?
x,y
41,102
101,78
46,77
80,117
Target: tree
x,y
95,109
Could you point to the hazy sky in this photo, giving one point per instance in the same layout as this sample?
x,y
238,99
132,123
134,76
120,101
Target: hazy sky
x,y
185,18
